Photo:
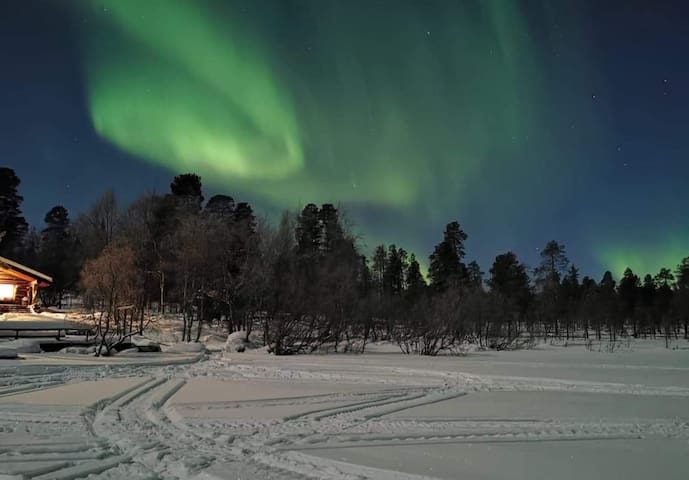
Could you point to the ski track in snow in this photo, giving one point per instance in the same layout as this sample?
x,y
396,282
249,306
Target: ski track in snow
x,y
140,432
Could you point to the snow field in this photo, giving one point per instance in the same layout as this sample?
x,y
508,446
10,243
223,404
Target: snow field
x,y
554,412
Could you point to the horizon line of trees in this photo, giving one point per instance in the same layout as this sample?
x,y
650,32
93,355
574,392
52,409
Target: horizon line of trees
x,y
306,285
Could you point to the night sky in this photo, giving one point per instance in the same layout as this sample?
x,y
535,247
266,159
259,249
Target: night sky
x,y
525,120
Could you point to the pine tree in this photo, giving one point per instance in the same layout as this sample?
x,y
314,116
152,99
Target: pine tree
x,y
547,275
332,234
588,292
365,279
508,277
221,208
570,297
648,290
664,279
308,231
446,267
244,220
682,294
413,278
554,263
608,303
629,292
682,274
13,226
57,254
509,284
379,268
474,275
393,279
570,285
187,192
663,299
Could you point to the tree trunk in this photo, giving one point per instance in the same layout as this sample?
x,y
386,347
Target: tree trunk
x,y
199,325
184,325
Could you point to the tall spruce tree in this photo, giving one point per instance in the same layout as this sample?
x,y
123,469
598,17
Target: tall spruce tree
x,y
570,298
446,267
547,277
474,276
508,277
682,274
416,284
13,226
220,208
682,294
379,266
554,263
187,192
509,284
244,220
607,304
58,256
664,281
308,231
629,293
394,273
332,233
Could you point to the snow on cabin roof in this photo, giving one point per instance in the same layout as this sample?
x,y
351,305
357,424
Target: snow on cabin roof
x,y
26,269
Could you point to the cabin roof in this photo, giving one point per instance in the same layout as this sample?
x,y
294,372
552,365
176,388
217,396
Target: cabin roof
x,y
24,269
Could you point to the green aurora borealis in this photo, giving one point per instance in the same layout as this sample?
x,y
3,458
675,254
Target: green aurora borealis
x,y
183,91
409,116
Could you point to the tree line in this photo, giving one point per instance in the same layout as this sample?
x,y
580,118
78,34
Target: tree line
x,y
306,285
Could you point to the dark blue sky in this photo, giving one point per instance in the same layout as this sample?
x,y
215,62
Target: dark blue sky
x,y
597,97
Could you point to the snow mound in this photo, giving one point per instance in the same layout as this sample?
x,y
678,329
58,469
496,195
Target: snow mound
x,y
214,338
35,321
54,313
236,342
144,344
187,348
128,351
214,342
382,346
23,345
141,341
79,350
7,353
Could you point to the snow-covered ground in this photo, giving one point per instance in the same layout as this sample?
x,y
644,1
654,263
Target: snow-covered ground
x,y
553,412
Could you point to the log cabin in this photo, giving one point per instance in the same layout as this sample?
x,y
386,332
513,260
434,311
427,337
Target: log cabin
x,y
19,286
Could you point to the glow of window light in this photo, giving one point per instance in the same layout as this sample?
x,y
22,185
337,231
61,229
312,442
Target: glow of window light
x,y
7,291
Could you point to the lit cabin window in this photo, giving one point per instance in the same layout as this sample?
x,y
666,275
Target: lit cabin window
x,y
7,291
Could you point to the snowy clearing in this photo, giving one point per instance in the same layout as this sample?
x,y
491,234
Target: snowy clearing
x,y
553,412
